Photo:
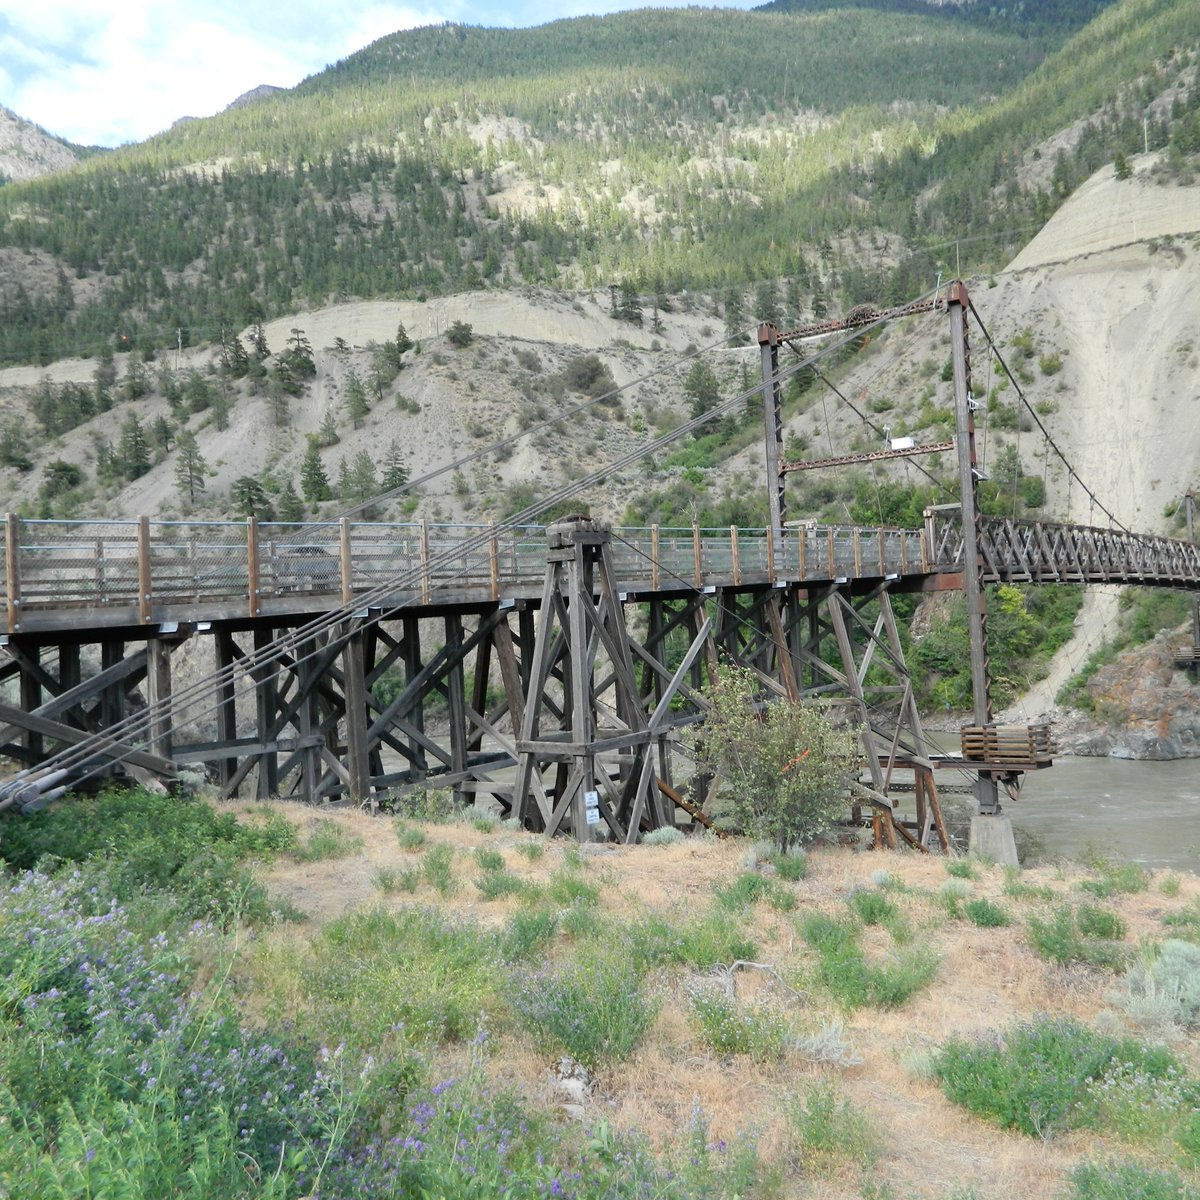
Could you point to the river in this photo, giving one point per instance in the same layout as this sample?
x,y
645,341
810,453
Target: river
x,y
1148,812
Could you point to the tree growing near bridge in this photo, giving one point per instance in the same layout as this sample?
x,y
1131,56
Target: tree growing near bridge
x,y
785,765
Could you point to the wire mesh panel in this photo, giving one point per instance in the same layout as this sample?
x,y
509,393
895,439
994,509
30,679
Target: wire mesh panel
x,y
459,555
198,559
72,562
295,557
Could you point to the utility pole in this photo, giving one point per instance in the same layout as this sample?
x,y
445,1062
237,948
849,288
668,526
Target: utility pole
x,y
986,794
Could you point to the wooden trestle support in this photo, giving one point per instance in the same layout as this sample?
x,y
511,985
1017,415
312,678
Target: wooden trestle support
x,y
567,711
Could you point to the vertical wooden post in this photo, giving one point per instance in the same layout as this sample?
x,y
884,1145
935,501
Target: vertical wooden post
x,y
964,411
358,761
12,569
494,562
457,700
266,702
768,341
68,678
226,701
31,699
145,587
346,560
856,543
416,718
770,555
309,719
831,564
158,695
734,556
882,567
699,562
426,582
252,574
655,567
802,557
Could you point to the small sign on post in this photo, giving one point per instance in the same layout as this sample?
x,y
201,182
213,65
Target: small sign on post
x,y
591,807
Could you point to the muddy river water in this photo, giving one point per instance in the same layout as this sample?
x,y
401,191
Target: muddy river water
x,y
1145,811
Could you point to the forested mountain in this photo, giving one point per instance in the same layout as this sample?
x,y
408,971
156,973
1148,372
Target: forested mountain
x,y
837,151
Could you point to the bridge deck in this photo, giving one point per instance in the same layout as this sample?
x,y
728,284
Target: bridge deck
x,y
59,574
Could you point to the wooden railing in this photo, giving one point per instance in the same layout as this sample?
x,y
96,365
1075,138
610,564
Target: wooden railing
x,y
1023,551
150,570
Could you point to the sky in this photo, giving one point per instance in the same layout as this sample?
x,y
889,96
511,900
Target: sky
x,y
105,73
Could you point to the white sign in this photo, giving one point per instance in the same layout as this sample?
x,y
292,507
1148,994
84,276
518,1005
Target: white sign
x,y
593,816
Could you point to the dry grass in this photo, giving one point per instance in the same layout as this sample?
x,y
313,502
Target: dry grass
x,y
987,979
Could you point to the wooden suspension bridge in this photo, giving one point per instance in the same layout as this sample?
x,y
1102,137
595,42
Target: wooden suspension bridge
x,y
552,669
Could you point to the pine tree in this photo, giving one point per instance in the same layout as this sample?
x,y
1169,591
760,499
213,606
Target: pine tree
x,y
395,473
314,482
356,399
291,507
327,435
135,452
250,498
299,355
189,466
703,387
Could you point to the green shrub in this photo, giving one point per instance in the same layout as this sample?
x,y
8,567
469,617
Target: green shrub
x,y
985,913
1037,1077
374,977
435,805
1116,878
728,1027
667,835
667,939
593,1007
409,837
527,931
438,869
1164,988
791,867
484,824
1016,890
566,887
389,880
1126,1181
748,889
533,850
327,839
1061,940
134,843
961,868
493,885
873,908
854,982
784,764
1096,922
487,859
823,1125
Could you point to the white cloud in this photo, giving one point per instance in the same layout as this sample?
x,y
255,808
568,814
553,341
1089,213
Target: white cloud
x,y
125,73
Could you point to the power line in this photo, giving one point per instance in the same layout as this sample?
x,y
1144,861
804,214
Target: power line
x,y
1072,473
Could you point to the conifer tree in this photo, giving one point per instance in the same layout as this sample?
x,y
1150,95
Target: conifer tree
x,y
356,399
189,466
314,482
135,452
250,498
395,473
291,507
